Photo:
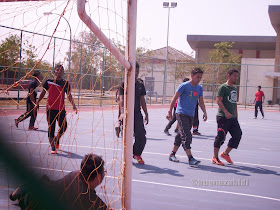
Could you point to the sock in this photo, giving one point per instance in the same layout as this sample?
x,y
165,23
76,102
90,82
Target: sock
x,y
190,157
172,153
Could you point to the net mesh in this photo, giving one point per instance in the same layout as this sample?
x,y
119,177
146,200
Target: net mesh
x,y
36,36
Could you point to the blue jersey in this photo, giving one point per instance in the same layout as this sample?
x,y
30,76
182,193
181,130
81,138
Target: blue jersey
x,y
188,98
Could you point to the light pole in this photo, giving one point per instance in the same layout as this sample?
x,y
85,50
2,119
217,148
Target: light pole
x,y
166,5
50,13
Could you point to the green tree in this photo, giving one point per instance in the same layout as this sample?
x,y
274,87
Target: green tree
x,y
224,59
10,55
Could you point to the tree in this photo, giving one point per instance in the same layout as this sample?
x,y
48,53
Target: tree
x,y
10,54
224,59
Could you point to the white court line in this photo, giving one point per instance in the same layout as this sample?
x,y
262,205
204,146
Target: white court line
x,y
153,153
265,149
185,187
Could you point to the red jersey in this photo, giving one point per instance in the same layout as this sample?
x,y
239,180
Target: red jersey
x,y
57,90
259,95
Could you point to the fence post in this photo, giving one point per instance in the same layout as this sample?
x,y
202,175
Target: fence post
x,y
20,56
53,52
80,78
246,86
175,76
102,79
214,85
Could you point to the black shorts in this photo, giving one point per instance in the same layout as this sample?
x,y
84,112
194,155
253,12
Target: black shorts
x,y
52,117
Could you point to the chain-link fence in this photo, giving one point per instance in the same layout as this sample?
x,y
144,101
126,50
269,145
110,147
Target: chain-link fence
x,y
94,74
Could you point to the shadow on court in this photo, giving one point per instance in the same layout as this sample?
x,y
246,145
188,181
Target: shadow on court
x,y
156,139
150,169
218,169
257,170
69,155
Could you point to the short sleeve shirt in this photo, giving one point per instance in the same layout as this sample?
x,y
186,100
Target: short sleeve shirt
x,y
139,91
33,86
259,95
229,95
57,90
188,98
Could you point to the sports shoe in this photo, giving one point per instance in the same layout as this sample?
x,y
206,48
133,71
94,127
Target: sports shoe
x,y
56,146
167,132
16,123
176,131
173,158
193,162
17,193
217,161
195,132
32,128
53,152
139,159
226,157
255,118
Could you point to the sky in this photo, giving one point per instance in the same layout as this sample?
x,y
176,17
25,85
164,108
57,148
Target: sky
x,y
195,17
202,17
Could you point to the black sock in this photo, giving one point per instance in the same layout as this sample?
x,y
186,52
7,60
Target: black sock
x,y
190,157
172,153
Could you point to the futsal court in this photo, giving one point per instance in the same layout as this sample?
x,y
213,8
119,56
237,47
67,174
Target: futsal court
x,y
252,182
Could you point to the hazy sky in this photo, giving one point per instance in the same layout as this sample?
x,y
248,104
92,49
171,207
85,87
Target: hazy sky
x,y
201,17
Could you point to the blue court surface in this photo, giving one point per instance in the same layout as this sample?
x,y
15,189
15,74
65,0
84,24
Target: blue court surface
x,y
252,182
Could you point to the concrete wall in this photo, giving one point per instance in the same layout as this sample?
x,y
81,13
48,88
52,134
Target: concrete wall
x,y
252,76
201,55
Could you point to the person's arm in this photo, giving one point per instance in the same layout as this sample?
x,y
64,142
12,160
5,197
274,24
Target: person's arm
x,y
219,101
40,98
31,96
144,107
202,106
70,98
263,98
171,106
121,104
236,113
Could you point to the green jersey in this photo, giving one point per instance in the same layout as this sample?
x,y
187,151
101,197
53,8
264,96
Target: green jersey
x,y
229,95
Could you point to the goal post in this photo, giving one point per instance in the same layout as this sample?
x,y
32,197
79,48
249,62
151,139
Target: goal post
x,y
128,61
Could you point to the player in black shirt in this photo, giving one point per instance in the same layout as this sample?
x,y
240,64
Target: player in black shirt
x,y
139,129
30,103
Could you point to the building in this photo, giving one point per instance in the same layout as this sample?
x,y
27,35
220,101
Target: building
x,y
153,66
260,59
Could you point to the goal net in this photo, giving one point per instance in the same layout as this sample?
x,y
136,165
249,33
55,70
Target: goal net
x,y
36,36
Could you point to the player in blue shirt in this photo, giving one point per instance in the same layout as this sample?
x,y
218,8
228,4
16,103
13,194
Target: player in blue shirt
x,y
189,93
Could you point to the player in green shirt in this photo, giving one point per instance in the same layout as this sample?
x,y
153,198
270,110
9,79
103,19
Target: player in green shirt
x,y
227,118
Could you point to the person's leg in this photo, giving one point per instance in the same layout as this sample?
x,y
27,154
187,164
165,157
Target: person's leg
x,y
256,109
185,123
261,109
33,114
62,122
177,143
51,118
222,124
196,121
170,123
236,134
25,115
140,135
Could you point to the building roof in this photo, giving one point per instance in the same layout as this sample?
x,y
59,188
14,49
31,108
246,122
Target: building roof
x,y
173,54
274,15
241,42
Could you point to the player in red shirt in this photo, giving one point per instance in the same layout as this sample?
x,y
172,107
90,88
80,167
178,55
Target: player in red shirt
x,y
57,88
259,99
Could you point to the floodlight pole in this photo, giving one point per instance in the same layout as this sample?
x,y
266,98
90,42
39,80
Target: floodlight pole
x,y
69,56
166,5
